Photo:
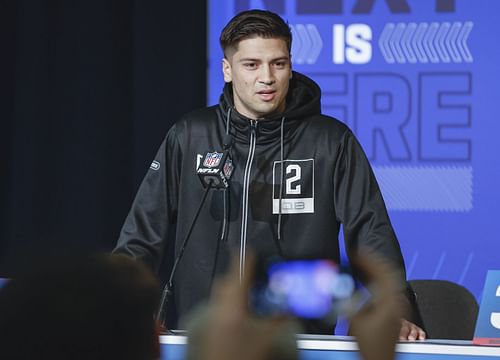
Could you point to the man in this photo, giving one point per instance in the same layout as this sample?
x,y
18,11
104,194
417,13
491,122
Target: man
x,y
298,175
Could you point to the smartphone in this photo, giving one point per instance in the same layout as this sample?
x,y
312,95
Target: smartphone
x,y
304,288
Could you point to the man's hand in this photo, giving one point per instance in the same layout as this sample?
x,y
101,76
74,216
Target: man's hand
x,y
410,331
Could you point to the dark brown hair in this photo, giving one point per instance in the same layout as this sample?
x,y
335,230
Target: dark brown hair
x,y
252,23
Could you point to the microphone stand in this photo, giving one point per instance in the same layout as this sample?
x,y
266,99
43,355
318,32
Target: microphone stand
x,y
167,290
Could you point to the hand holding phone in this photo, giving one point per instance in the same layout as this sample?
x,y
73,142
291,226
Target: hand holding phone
x,y
304,288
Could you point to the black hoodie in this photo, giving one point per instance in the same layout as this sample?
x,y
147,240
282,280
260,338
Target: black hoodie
x,y
327,181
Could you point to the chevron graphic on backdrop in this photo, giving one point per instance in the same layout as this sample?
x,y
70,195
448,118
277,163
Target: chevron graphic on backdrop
x,y
307,43
426,188
437,269
423,43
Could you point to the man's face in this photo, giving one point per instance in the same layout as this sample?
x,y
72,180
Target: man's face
x,y
260,71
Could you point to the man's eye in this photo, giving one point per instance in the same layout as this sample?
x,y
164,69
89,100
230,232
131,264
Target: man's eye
x,y
250,65
280,64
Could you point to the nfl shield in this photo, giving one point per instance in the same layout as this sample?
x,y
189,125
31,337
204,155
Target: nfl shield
x,y
212,159
228,168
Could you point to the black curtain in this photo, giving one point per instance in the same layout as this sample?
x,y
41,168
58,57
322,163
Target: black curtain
x,y
88,89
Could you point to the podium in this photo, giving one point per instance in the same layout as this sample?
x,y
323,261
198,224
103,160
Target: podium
x,y
322,347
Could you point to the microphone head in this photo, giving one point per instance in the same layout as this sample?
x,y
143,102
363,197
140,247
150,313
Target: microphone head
x,y
216,170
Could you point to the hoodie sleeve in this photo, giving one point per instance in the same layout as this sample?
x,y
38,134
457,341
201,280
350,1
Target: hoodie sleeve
x,y
361,209
154,210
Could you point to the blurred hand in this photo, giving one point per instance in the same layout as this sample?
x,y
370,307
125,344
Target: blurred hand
x,y
377,326
232,333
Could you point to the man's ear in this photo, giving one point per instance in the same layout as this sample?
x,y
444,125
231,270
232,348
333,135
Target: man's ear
x,y
226,70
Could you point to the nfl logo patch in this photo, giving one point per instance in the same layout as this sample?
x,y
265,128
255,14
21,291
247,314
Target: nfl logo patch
x,y
228,168
212,159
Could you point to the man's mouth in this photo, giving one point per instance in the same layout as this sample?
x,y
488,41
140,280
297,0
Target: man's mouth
x,y
266,95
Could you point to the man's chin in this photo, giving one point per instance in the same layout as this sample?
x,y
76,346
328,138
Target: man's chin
x,y
267,112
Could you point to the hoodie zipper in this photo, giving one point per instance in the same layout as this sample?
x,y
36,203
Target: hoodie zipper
x,y
246,186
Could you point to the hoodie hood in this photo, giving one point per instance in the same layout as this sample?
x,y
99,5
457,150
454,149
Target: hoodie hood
x,y
304,97
303,100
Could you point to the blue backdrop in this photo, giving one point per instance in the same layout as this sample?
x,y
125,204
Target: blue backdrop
x,y
417,81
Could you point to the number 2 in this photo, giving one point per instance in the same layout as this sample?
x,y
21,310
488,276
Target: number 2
x,y
297,189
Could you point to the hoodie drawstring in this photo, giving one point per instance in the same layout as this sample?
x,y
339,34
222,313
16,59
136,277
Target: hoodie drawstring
x,y
225,221
278,244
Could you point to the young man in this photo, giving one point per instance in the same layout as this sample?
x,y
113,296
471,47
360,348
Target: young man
x,y
298,175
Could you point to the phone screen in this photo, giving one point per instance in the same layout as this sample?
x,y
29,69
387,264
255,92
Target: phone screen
x,y
309,289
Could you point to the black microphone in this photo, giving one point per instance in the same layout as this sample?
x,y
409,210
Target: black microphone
x,y
216,168
227,142
168,288
214,172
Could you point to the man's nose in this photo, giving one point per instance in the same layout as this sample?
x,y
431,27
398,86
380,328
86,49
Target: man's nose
x,y
266,75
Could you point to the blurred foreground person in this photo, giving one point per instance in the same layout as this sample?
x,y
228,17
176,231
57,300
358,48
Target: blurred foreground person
x,y
226,329
377,326
89,307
